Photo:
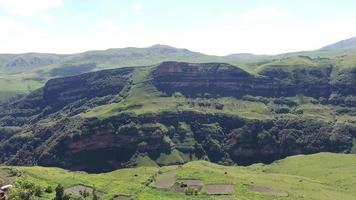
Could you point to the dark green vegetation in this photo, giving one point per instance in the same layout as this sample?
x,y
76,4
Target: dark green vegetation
x,y
323,176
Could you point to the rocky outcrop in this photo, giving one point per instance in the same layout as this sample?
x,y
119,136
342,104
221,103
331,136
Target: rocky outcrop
x,y
62,91
221,79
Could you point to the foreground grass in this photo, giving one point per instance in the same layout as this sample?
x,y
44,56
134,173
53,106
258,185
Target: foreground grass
x,y
320,176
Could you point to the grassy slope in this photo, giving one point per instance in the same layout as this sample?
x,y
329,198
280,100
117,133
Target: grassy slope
x,y
144,98
113,58
323,176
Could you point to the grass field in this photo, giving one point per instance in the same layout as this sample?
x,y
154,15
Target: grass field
x,y
323,176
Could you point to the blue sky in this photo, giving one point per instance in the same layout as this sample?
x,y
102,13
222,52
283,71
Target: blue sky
x,y
217,27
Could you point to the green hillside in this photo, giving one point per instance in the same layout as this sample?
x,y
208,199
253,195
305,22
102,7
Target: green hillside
x,y
322,176
27,72
176,112
162,116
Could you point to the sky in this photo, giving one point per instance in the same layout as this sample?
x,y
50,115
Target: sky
x,y
217,27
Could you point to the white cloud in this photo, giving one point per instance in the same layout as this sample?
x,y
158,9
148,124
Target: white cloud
x,y
137,8
28,7
16,36
107,26
262,14
260,39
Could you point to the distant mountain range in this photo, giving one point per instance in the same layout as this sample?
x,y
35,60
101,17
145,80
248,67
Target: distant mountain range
x,y
131,56
22,73
344,44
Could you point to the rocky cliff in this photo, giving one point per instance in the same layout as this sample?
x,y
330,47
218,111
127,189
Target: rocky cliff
x,y
221,79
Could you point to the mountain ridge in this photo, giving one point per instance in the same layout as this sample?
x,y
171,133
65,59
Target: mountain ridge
x,y
33,60
176,112
346,44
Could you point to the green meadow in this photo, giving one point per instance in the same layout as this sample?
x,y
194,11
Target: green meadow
x,y
322,176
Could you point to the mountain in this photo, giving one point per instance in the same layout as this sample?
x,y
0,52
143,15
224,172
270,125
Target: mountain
x,y
176,112
23,73
342,45
13,63
130,56
101,110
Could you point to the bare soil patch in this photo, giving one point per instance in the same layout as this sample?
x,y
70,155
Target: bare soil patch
x,y
78,189
269,191
165,180
6,177
191,182
122,197
220,189
182,185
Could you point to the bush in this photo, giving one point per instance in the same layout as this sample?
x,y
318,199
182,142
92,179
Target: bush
x,y
285,101
219,106
49,189
190,191
282,110
25,190
255,99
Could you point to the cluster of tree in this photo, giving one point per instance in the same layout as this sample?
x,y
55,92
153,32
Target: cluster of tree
x,y
26,190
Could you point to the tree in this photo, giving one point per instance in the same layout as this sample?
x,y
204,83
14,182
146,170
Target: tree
x,y
59,192
60,195
95,196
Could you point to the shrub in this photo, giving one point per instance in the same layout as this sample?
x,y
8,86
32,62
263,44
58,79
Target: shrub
x,y
282,110
25,190
48,189
285,101
189,191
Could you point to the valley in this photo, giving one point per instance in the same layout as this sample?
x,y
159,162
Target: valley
x,y
181,125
